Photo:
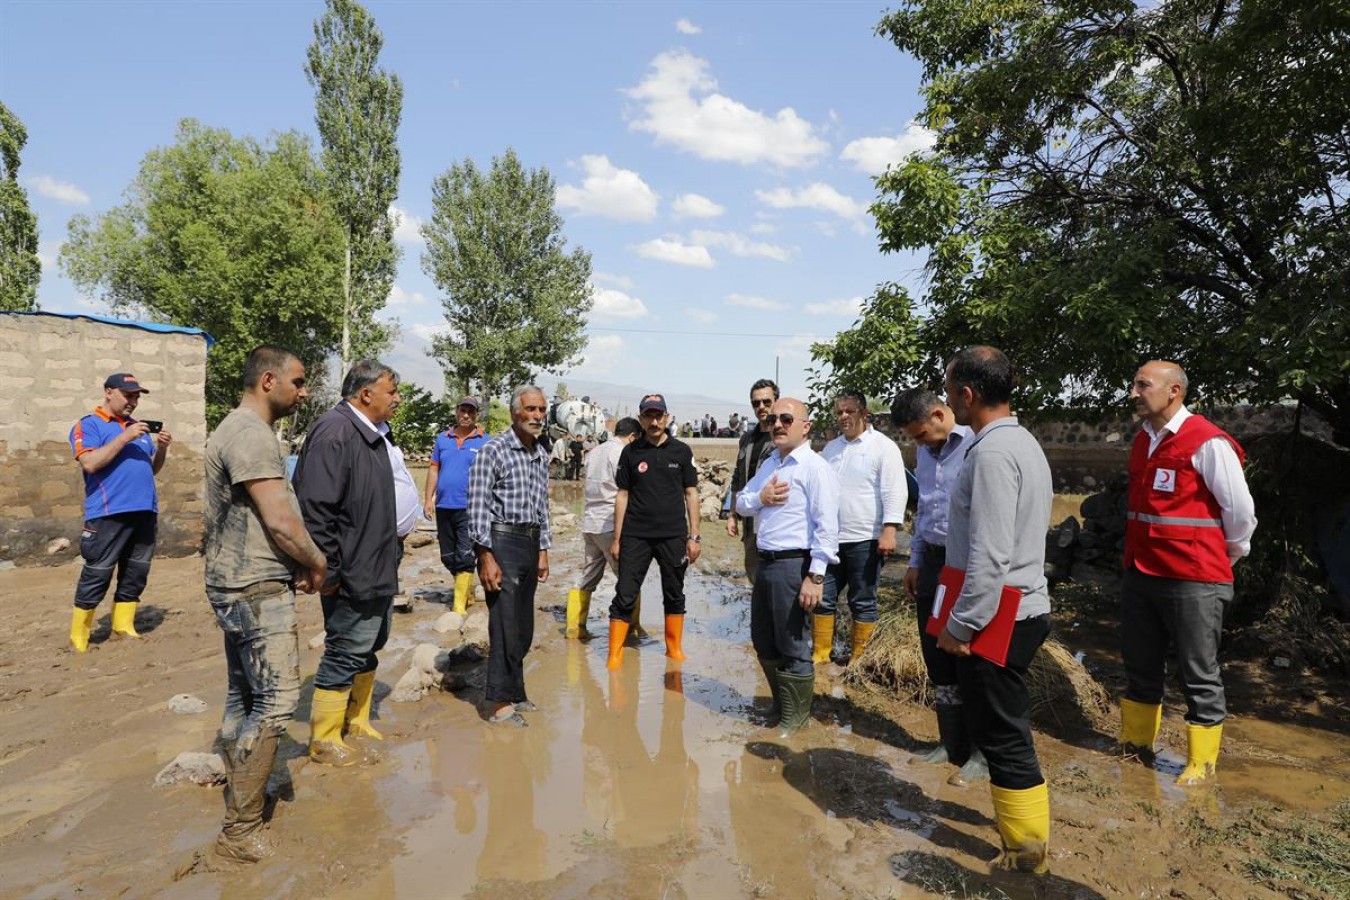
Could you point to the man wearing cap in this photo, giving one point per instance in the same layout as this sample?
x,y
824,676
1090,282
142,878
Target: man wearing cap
x,y
597,523
119,457
447,496
656,514
794,498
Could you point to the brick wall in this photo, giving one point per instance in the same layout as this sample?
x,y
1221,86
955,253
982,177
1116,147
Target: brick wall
x,y
52,370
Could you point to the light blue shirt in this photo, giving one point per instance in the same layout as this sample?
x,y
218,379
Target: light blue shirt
x,y
936,473
809,520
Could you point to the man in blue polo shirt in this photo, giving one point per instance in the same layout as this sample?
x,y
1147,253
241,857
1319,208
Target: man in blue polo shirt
x,y
119,457
447,496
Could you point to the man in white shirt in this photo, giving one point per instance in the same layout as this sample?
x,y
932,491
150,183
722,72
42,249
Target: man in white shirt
x,y
794,498
597,524
1190,518
872,497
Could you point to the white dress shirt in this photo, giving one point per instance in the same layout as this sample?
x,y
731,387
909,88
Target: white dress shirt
x,y
600,489
1218,466
809,520
407,504
872,488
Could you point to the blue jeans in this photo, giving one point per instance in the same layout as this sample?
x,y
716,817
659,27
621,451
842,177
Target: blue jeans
x,y
354,632
262,660
859,568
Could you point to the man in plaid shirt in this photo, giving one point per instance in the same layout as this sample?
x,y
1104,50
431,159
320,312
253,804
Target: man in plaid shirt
x,y
508,524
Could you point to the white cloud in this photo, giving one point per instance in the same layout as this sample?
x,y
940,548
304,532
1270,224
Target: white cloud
x,y
797,347
817,196
620,281
603,354
400,297
738,245
407,227
674,250
752,302
610,192
696,206
850,306
701,316
428,331
763,228
612,304
684,26
63,191
680,107
872,155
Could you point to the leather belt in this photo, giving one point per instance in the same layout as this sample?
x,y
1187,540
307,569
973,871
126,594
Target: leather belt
x,y
516,528
771,555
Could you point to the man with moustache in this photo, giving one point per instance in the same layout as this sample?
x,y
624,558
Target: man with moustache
x,y
656,516
794,498
753,448
447,496
999,514
358,501
509,526
1190,518
257,555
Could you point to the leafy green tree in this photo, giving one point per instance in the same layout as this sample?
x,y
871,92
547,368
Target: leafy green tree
x,y
419,418
357,108
1115,181
868,357
224,234
515,300
20,269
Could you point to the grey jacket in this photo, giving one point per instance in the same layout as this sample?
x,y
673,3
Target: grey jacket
x,y
1000,512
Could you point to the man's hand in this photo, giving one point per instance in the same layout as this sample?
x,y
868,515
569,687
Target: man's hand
x,y
911,583
162,440
614,547
133,431
810,594
774,492
692,549
886,542
489,573
951,645
543,566
311,580
430,510
733,530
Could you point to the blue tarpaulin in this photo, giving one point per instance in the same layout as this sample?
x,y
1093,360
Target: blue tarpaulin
x,y
159,327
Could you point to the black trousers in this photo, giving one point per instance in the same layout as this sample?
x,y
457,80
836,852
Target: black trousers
x,y
635,558
941,666
123,542
511,615
998,707
452,533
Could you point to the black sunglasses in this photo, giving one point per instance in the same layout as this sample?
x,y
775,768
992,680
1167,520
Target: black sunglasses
x,y
761,403
786,418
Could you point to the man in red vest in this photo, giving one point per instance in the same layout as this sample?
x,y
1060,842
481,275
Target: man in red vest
x,y
1190,518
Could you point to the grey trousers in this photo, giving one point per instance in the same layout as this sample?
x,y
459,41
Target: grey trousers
x,y
597,559
779,627
1162,616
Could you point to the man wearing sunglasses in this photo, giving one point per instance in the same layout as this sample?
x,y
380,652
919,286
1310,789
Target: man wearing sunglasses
x,y
656,516
794,498
755,446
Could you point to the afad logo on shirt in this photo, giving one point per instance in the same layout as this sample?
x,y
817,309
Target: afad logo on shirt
x,y
642,467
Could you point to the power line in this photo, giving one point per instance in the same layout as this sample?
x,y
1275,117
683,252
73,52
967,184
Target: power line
x,y
699,333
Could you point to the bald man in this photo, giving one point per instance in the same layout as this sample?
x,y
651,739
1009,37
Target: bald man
x,y
1190,519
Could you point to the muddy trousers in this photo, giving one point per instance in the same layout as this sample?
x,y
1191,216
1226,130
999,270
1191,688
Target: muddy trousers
x,y
511,614
452,533
597,559
354,633
123,543
262,660
635,558
1162,616
779,627
998,707
858,569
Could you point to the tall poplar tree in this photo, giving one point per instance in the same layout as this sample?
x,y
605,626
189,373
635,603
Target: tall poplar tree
x,y
19,266
357,109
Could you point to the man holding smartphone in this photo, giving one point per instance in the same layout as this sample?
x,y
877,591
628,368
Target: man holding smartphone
x,y
119,457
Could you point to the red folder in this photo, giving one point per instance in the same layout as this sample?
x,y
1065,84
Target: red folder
x,y
992,642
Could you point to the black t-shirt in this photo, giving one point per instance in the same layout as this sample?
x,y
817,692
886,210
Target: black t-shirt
x,y
655,479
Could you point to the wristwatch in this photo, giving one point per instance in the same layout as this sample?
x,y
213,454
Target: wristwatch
x,y
696,538
817,578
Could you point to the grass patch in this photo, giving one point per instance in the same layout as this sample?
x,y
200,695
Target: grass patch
x,y
1298,856
1077,780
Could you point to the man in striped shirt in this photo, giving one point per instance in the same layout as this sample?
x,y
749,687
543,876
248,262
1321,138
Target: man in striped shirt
x,y
509,527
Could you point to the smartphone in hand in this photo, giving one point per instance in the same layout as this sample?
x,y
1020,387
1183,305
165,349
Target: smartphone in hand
x,y
153,426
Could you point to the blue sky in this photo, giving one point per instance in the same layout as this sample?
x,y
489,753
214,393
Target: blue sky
x,y
715,159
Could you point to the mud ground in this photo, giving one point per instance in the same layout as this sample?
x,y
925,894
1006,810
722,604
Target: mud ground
x,y
655,782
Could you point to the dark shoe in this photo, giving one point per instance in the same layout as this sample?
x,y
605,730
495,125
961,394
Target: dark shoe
x,y
514,720
795,693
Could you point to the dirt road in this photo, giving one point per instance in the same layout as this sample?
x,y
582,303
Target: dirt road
x,y
655,782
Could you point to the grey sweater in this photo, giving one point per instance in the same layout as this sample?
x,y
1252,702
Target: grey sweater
x,y
1000,512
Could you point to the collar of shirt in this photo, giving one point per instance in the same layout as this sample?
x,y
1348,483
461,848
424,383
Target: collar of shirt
x,y
459,441
795,456
515,443
1172,427
955,438
1003,422
109,417
382,429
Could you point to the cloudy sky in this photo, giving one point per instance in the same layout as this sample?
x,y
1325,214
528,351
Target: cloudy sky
x,y
715,159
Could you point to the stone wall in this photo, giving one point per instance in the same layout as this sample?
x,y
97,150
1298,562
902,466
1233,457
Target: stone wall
x,y
52,369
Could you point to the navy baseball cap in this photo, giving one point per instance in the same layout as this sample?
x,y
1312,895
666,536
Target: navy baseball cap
x,y
652,401
125,382
467,401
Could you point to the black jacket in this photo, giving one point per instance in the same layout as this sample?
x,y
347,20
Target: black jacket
x,y
345,486
740,475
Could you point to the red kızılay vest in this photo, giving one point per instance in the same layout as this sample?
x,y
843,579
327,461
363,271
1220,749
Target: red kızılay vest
x,y
1173,527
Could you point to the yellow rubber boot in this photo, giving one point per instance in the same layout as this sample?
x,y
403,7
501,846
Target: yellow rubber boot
x,y
862,633
124,618
328,713
578,608
1202,755
463,592
1024,825
618,632
358,707
822,638
81,623
1139,724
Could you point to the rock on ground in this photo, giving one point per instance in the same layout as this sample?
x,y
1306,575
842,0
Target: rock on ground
x,y
186,705
197,768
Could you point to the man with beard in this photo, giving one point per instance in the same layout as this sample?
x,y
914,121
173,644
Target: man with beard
x,y
753,448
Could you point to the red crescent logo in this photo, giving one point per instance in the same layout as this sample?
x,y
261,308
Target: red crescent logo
x,y
642,466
